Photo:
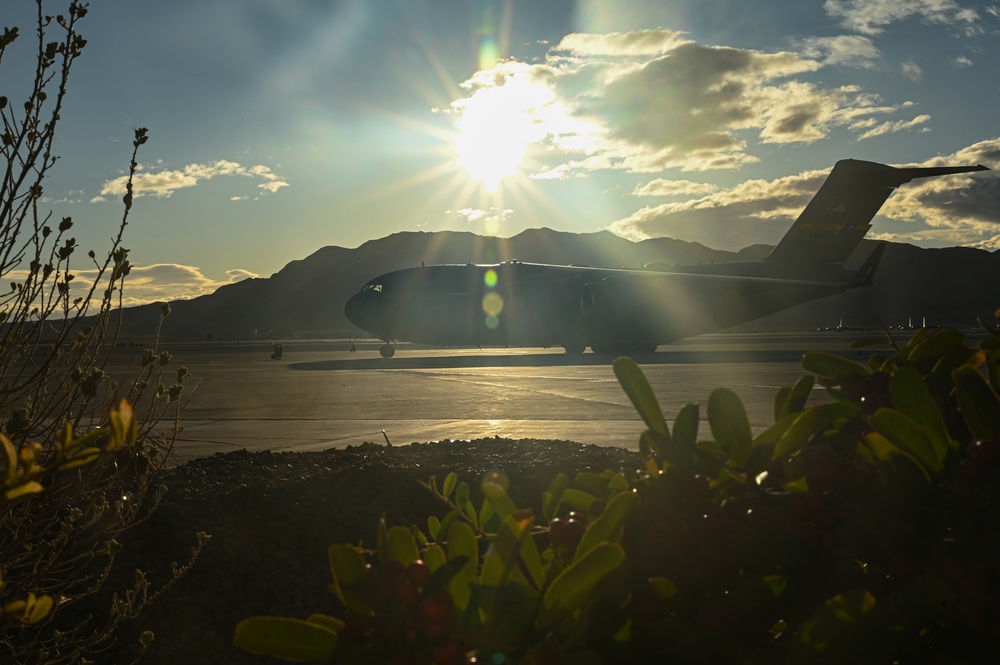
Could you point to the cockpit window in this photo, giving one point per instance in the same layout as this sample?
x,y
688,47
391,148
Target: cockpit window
x,y
377,288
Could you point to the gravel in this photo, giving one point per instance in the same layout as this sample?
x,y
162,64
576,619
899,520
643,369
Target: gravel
x,y
273,515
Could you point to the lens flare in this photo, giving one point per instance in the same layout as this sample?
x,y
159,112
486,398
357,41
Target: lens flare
x,y
490,278
493,303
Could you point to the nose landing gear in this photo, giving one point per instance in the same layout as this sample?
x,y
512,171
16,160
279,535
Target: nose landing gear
x,y
387,351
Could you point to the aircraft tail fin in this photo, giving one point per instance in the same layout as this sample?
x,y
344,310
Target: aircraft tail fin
x,y
865,276
840,214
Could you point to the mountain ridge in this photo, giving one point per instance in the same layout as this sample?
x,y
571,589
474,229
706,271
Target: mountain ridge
x,y
948,285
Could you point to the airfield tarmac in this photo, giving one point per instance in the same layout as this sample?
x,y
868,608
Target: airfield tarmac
x,y
321,395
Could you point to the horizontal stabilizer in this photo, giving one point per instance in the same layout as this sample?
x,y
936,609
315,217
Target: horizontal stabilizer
x,y
840,213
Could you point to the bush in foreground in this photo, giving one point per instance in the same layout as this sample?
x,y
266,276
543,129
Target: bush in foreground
x,y
76,465
860,527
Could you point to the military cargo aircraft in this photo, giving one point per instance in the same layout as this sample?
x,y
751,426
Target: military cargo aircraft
x,y
614,310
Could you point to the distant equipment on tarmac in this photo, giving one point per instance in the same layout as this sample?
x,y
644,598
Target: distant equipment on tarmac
x,y
633,311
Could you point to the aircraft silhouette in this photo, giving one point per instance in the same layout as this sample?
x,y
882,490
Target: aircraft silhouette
x,y
614,310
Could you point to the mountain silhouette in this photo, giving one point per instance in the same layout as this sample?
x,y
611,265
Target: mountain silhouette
x,y
947,286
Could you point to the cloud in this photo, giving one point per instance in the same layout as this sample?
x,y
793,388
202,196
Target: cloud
x,y
965,205
664,187
883,128
753,211
649,101
159,282
871,16
162,184
848,50
485,221
961,62
957,209
639,42
912,71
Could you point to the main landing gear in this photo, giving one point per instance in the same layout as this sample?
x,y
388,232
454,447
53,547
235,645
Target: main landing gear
x,y
387,351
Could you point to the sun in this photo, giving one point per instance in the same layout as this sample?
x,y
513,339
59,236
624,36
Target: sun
x,y
496,126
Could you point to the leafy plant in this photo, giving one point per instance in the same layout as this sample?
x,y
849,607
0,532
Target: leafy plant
x,y
857,527
65,400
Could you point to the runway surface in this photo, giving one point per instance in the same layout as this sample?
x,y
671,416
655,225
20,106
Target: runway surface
x,y
321,395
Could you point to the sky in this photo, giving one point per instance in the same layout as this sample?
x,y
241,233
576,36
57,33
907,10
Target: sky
x,y
280,127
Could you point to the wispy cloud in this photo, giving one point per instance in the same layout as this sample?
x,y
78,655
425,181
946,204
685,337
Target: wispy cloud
x,y
664,187
912,71
489,221
961,62
847,50
871,16
163,183
159,282
883,128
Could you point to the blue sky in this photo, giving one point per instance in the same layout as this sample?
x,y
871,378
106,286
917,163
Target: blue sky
x,y
277,128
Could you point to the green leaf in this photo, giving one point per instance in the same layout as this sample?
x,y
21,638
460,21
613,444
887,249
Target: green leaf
x,y
993,371
434,557
461,494
591,482
905,433
832,366
884,451
910,396
285,638
553,497
935,345
827,623
37,609
578,500
22,489
798,396
462,543
449,484
402,546
636,386
333,624
347,567
608,526
470,512
663,587
443,572
502,505
485,513
573,587
810,422
686,426
728,420
979,403
433,526
780,398
773,434
504,548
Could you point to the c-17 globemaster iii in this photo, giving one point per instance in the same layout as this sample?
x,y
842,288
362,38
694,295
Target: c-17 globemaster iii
x,y
614,310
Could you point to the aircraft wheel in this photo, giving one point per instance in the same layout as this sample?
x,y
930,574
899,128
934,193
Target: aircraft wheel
x,y
574,347
387,351
602,348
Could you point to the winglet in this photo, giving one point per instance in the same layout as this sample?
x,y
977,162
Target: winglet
x,y
866,273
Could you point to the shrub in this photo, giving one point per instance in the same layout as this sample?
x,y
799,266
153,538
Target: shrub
x,y
859,527
77,466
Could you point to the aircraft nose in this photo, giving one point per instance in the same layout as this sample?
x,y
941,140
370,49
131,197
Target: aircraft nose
x,y
354,310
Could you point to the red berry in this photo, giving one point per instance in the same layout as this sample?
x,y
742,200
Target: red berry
x,y
420,574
